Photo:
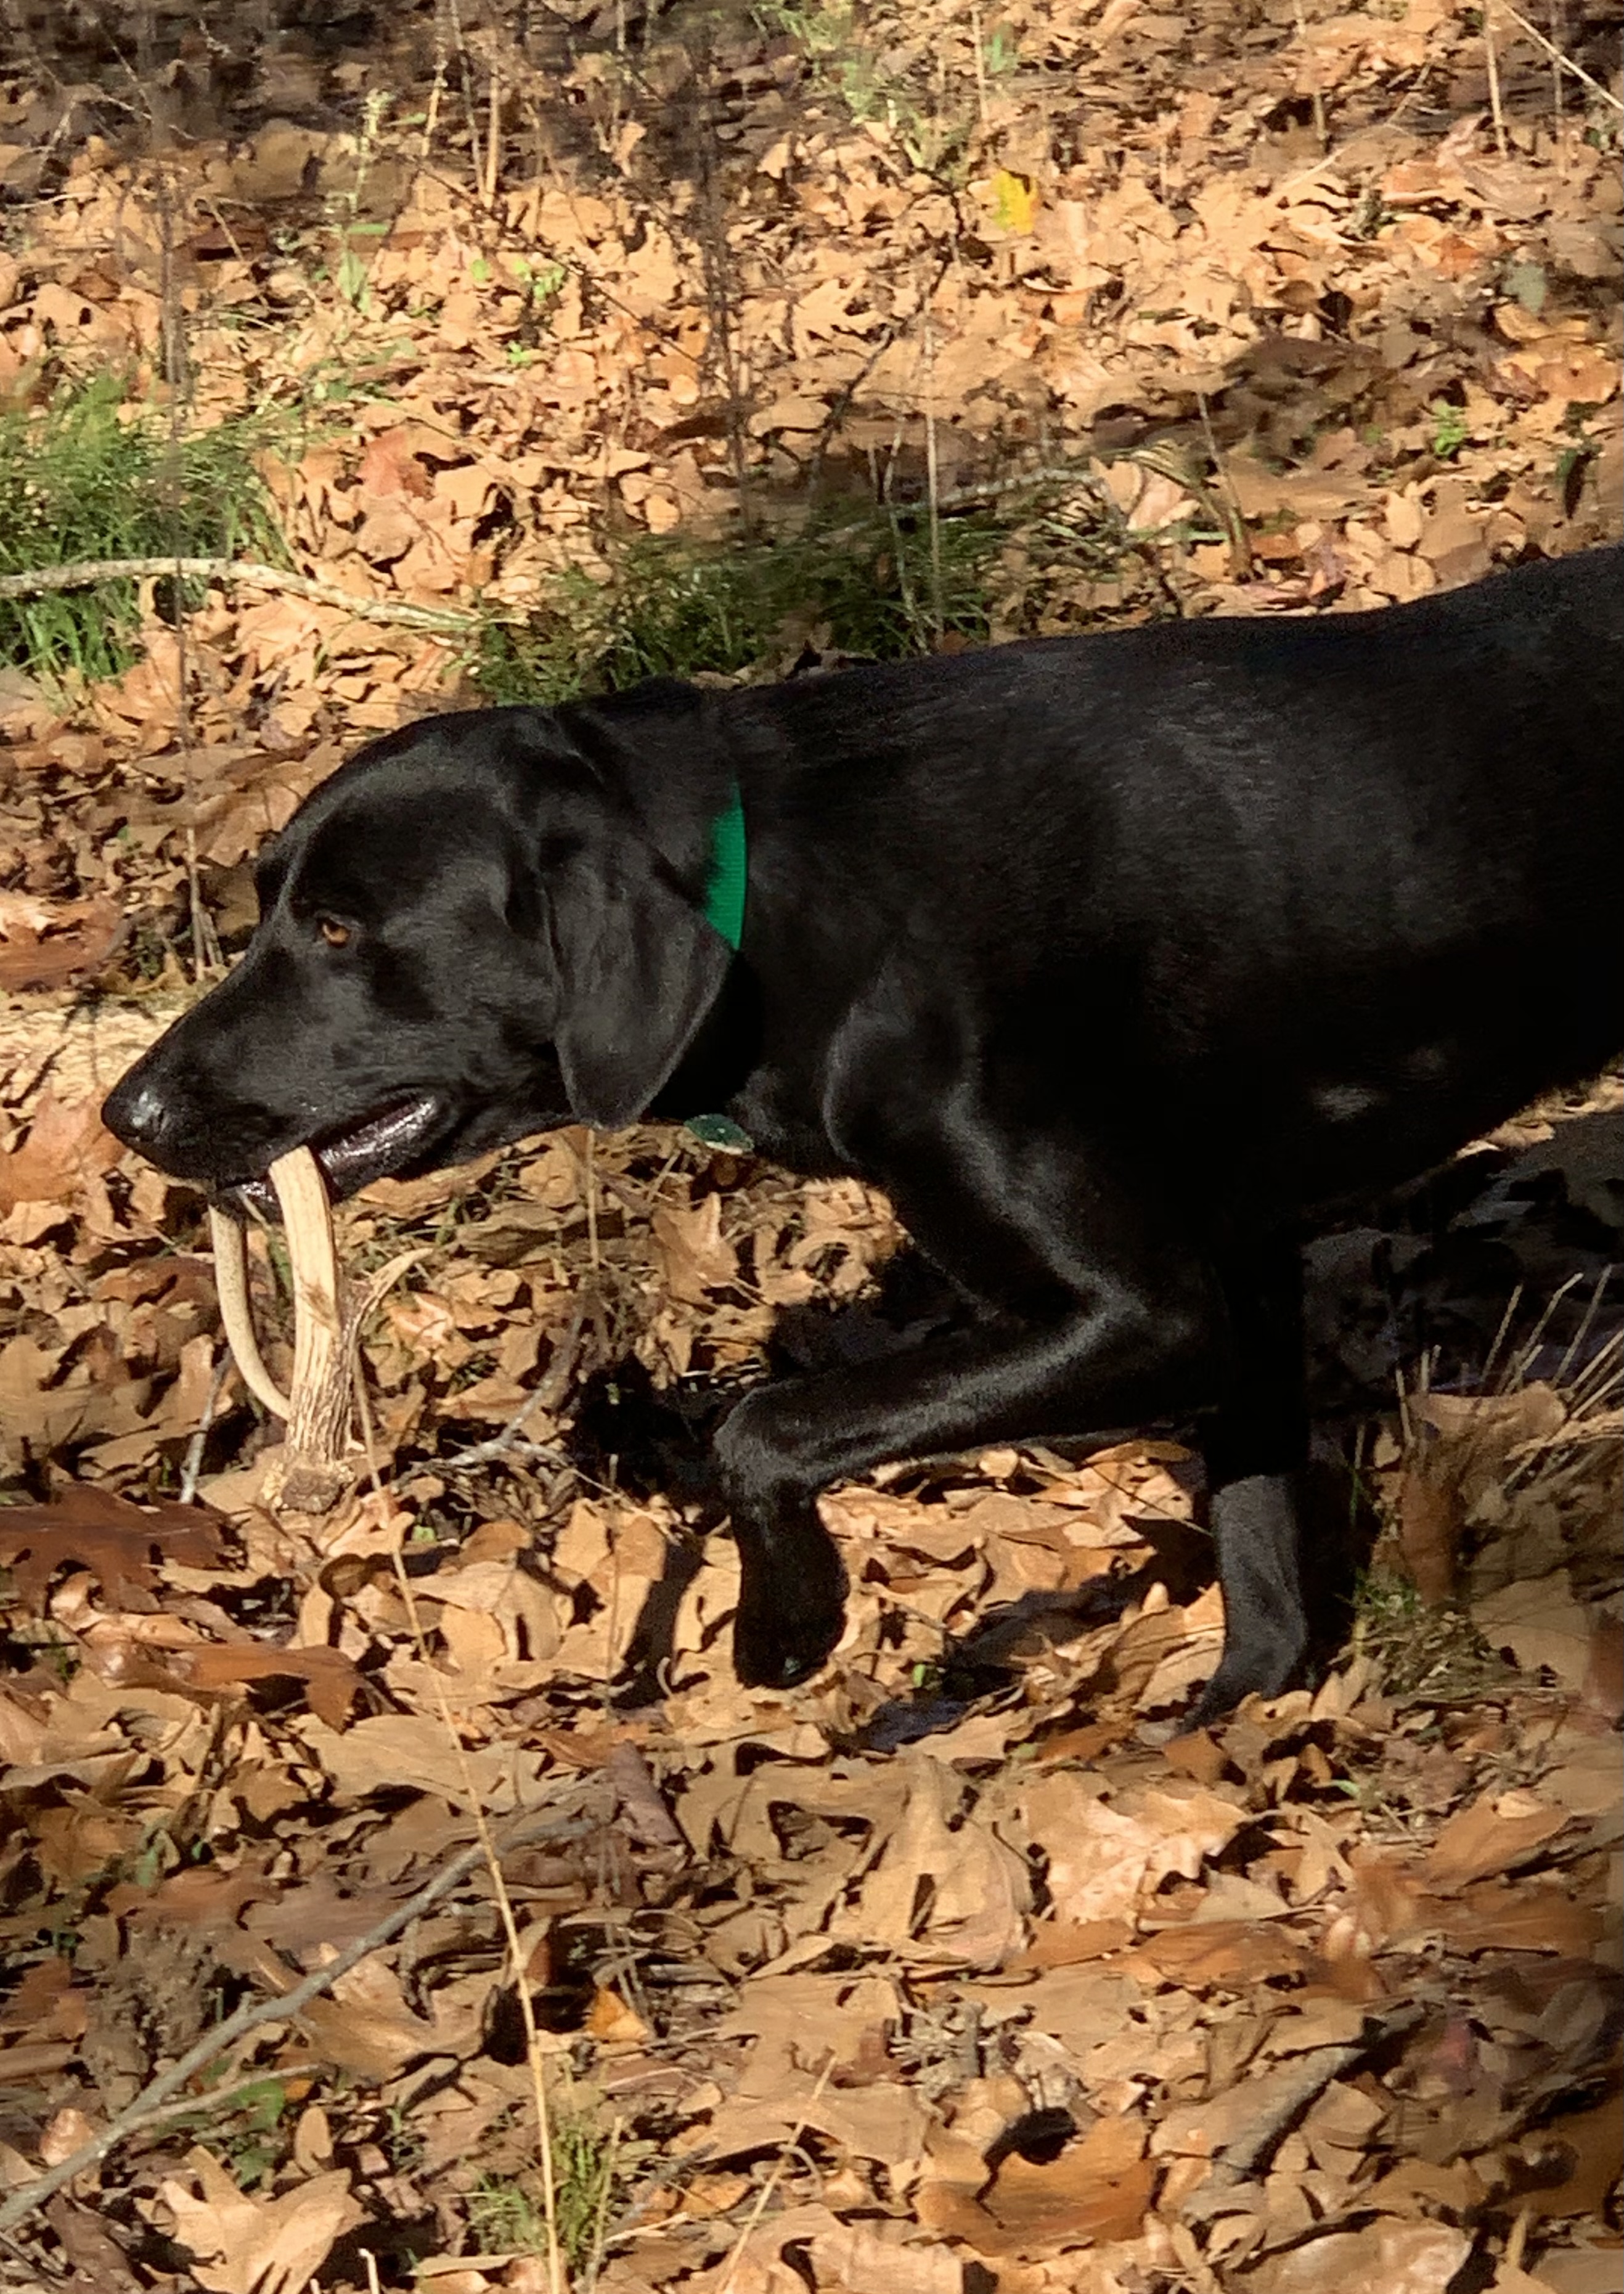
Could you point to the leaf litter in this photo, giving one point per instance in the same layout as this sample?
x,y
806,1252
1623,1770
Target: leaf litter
x,y
956,1969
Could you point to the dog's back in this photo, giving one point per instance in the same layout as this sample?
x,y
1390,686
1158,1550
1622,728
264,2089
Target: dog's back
x,y
1341,888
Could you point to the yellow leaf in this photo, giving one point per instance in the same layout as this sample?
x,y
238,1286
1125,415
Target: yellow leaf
x,y
1014,202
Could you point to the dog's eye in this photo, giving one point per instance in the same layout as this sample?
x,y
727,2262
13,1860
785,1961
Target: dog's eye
x,y
335,934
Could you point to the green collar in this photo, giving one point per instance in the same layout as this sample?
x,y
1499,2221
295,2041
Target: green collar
x,y
725,890
725,885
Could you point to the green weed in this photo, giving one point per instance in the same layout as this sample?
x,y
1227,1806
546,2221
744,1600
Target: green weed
x,y
256,2141
1426,1655
508,2213
1450,429
854,67
351,270
93,476
874,588
505,2217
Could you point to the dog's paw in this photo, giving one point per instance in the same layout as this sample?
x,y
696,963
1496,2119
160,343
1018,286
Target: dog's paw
x,y
1232,1684
790,1616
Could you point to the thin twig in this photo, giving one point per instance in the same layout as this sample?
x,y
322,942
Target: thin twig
x,y
764,2197
546,1396
216,2101
1282,2096
1532,32
494,136
253,2015
1491,58
1316,92
192,1464
85,572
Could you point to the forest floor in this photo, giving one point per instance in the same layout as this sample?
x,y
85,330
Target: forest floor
x,y
500,342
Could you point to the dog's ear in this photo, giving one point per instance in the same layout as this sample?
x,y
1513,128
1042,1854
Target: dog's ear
x,y
638,968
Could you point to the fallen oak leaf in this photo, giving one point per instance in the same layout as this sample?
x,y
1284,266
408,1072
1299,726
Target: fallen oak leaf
x,y
1222,1954
1099,2189
156,2099
122,1546
243,2245
1497,1832
1430,1525
75,940
330,1680
1385,2258
67,1143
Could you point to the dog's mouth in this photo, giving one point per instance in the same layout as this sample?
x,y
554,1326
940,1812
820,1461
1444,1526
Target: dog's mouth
x,y
353,1156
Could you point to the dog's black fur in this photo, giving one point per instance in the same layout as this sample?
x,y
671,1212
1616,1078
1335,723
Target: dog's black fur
x,y
1113,959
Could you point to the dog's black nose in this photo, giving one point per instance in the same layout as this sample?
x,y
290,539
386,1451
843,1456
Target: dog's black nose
x,y
134,1111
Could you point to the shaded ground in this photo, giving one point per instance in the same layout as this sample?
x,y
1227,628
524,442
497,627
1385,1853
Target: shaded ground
x,y
949,1971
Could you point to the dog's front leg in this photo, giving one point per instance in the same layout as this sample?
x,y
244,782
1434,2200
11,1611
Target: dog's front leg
x,y
1118,1360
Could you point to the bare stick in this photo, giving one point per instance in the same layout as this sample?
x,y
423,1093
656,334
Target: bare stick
x,y
546,1396
252,2016
191,1466
1316,92
1283,2095
1491,57
764,2196
499,1885
85,572
1563,62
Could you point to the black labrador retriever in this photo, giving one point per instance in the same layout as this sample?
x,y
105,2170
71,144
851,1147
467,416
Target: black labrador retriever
x,y
1113,959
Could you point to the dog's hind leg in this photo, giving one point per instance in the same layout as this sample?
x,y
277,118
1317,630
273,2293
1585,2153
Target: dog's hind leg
x,y
1256,1448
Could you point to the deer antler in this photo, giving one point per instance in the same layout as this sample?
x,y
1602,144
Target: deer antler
x,y
311,1474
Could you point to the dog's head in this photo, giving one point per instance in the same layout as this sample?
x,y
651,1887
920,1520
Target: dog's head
x,y
483,925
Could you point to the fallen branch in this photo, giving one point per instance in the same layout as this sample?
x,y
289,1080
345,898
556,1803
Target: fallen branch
x,y
1565,62
1282,2097
150,2105
546,1397
87,572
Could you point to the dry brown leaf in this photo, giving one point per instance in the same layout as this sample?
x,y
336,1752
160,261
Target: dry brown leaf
x,y
869,2253
1223,1954
67,1143
1430,1525
397,1751
75,940
331,1681
1542,1625
125,1547
1388,2258
1103,1861
366,2028
1494,1835
1097,2190
244,2245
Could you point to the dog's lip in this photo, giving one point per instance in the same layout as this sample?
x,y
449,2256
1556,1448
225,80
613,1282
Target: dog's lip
x,y
352,1156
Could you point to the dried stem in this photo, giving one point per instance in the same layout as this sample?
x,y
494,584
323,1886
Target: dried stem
x,y
150,2104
